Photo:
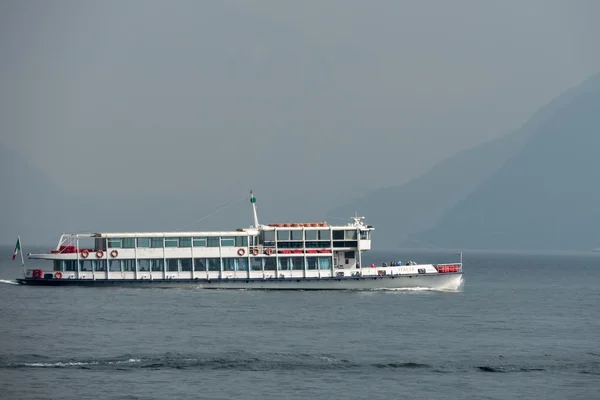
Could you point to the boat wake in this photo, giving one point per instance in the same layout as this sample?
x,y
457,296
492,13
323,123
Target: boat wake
x,y
245,361
412,289
8,282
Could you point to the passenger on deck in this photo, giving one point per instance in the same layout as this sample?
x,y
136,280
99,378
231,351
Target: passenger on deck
x,y
373,266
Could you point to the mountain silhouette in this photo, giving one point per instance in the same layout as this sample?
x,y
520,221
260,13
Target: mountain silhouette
x,y
544,197
418,213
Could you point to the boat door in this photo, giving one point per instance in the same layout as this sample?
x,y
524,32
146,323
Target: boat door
x,y
339,260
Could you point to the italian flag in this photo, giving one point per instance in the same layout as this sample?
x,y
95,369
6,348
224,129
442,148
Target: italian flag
x,y
17,248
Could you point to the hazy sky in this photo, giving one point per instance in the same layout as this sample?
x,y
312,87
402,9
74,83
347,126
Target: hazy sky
x,y
306,102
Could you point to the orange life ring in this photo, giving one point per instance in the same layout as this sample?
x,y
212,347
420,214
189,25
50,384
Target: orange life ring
x,y
99,254
85,254
255,251
58,275
241,252
114,253
268,251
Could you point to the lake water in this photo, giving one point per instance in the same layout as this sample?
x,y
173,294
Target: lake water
x,y
523,326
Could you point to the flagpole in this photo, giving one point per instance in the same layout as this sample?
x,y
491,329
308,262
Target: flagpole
x,y
21,251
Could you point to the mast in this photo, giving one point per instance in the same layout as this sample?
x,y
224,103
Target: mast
x,y
253,202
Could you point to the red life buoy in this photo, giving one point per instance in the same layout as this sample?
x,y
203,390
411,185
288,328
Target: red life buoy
x,y
241,252
58,275
36,274
85,254
255,251
268,251
99,254
114,253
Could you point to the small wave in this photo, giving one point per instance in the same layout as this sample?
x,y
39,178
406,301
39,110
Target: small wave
x,y
403,365
68,364
8,282
249,361
488,368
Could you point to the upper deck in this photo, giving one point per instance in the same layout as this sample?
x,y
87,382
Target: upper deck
x,y
281,238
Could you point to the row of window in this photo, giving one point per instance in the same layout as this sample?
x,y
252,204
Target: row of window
x,y
210,241
197,264
321,234
285,239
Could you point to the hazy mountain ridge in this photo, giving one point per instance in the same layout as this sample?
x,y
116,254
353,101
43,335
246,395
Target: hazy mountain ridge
x,y
400,213
545,197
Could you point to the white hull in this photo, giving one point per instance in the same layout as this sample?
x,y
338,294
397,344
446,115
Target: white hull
x,y
449,282
442,282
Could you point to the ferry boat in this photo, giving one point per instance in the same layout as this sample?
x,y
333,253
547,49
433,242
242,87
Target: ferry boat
x,y
301,256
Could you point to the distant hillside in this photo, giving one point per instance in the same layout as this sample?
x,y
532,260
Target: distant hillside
x,y
399,212
546,197
40,209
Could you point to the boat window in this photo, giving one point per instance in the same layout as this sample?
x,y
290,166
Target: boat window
x,y
284,263
242,264
100,244
338,235
349,254
290,245
157,242
99,265
185,242
114,243
171,242
186,264
311,262
350,235
270,264
199,242
298,263
129,265
199,264
213,242
57,265
114,265
256,264
227,242
310,234
241,241
143,242
324,234
229,264
128,243
318,245
214,264
297,234
70,265
144,265
283,234
172,264
269,236
85,265
345,244
324,262
157,265
364,235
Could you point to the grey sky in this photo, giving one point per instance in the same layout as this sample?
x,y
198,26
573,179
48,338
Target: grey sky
x,y
306,102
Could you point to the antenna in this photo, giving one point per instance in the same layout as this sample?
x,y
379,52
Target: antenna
x,y
357,220
253,202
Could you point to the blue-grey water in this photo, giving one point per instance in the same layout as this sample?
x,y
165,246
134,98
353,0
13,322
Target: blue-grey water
x,y
524,326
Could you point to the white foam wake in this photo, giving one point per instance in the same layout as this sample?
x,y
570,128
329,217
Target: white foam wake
x,y
79,363
8,282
